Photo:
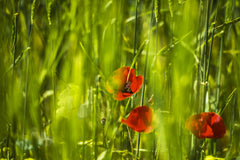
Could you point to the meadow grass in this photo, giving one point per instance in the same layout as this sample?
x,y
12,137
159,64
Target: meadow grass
x,y
56,57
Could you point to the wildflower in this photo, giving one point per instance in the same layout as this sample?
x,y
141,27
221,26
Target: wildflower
x,y
123,83
206,125
140,119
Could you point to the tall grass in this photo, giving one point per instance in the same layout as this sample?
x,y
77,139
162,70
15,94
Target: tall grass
x,y
57,55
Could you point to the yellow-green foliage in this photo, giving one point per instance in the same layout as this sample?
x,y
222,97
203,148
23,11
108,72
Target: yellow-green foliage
x,y
57,55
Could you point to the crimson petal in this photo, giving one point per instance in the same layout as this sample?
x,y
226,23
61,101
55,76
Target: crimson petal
x,y
206,125
123,83
140,119
136,85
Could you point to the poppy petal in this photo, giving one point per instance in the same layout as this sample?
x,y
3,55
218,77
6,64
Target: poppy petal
x,y
136,85
206,125
208,132
131,75
140,119
124,121
109,88
115,82
121,96
123,83
148,129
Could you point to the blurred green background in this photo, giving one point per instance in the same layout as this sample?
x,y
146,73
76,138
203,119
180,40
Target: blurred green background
x,y
56,56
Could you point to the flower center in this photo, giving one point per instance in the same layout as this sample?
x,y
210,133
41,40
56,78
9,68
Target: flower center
x,y
127,88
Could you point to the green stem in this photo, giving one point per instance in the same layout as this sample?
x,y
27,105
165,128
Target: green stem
x,y
27,60
15,42
130,139
205,57
138,144
199,57
134,52
13,66
219,70
154,137
135,32
210,48
144,75
25,100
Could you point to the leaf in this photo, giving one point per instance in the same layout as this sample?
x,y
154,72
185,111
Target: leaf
x,y
141,48
170,4
84,109
20,57
68,100
227,101
210,157
102,155
85,142
46,94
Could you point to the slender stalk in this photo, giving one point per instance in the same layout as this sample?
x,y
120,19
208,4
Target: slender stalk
x,y
15,42
25,100
198,37
144,75
232,94
8,139
133,64
94,124
156,48
205,57
15,31
134,52
138,143
219,70
204,82
210,48
135,32
54,103
96,121
171,30
135,40
193,153
27,60
146,58
130,139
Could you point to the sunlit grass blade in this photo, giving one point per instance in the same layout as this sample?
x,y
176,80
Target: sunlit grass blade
x,y
228,100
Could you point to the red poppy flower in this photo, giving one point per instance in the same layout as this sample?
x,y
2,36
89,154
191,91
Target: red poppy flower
x,y
206,125
123,83
140,119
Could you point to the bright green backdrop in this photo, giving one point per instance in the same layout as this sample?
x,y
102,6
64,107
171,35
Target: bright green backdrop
x,y
56,56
